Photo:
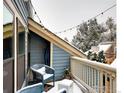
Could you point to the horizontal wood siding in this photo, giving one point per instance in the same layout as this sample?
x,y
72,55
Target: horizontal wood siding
x,y
60,61
37,49
8,75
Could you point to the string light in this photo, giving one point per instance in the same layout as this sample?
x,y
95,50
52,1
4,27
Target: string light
x,y
36,14
87,20
74,27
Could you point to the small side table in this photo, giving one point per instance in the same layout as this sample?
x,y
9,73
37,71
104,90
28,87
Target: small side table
x,y
67,84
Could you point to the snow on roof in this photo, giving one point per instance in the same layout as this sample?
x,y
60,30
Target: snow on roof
x,y
104,47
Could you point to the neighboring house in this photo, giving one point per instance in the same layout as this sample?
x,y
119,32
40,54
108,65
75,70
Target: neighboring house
x,y
25,42
109,49
114,63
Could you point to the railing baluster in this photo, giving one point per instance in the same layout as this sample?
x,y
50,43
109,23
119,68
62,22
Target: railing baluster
x,y
87,74
83,72
101,82
114,85
98,79
106,85
92,77
110,78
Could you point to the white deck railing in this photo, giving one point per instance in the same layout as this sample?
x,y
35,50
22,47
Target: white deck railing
x,y
96,77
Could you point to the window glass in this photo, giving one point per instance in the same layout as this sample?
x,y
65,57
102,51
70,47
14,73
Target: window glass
x,y
7,16
7,33
21,38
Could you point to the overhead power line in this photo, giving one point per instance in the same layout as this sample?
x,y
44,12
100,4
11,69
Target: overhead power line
x,y
87,20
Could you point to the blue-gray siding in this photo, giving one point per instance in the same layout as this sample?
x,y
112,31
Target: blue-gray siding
x,y
21,7
60,61
37,49
61,58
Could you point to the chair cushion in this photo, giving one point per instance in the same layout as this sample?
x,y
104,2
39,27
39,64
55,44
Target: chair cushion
x,y
47,76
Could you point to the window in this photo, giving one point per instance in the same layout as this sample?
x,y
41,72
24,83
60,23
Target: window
x,y
7,33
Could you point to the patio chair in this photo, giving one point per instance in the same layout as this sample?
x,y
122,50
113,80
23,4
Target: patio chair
x,y
36,88
43,72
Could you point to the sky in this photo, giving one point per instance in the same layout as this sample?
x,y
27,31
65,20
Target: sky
x,y
59,15
8,17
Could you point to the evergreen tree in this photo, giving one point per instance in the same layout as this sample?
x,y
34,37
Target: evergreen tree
x,y
95,57
101,57
88,35
89,55
112,27
91,34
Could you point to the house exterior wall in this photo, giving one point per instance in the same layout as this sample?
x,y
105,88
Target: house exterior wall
x,y
60,61
37,49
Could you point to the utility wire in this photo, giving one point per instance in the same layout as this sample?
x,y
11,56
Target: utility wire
x,y
87,20
36,14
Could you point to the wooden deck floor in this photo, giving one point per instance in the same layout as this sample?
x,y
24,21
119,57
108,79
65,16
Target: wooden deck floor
x,y
54,89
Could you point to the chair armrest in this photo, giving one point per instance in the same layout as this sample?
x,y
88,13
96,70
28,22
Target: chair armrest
x,y
49,70
36,88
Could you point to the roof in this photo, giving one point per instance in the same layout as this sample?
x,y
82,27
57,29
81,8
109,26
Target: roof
x,y
51,37
104,46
